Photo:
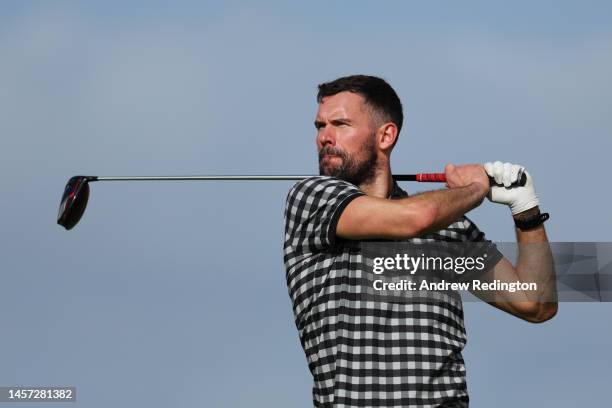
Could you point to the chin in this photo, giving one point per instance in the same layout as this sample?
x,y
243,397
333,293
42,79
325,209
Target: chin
x,y
327,170
324,169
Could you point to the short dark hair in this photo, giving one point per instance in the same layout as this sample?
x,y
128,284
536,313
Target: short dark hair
x,y
376,92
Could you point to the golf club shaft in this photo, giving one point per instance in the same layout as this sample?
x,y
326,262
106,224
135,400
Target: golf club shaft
x,y
433,177
420,177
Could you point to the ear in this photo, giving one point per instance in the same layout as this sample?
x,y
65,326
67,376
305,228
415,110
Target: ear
x,y
387,136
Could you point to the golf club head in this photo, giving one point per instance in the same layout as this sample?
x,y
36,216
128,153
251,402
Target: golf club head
x,y
74,201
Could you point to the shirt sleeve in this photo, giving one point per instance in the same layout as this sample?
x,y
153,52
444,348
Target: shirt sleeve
x,y
312,211
477,245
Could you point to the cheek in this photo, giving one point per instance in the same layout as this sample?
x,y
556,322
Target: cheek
x,y
349,138
357,142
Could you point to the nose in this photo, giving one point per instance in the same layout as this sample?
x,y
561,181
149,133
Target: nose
x,y
326,137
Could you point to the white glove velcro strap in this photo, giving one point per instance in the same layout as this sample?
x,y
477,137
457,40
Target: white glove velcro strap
x,y
524,205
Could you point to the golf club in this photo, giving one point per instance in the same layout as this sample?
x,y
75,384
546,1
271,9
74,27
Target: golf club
x,y
76,193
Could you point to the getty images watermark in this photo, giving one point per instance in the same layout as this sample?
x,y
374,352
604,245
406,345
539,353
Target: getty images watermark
x,y
557,271
459,265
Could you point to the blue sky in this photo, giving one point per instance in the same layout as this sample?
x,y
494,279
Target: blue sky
x,y
173,294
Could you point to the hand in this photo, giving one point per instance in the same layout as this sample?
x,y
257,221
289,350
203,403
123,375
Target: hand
x,y
464,175
518,198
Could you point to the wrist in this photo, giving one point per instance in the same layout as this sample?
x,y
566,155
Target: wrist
x,y
479,190
527,214
530,219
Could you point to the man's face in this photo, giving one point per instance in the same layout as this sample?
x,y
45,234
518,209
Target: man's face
x,y
345,138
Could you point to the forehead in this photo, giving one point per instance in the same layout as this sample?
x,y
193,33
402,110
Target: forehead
x,y
345,104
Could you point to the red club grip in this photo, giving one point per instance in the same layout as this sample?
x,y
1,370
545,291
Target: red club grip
x,y
431,177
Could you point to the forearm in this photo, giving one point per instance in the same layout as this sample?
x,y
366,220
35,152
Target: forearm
x,y
535,263
447,206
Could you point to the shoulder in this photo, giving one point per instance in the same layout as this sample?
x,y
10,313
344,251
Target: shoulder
x,y
312,211
324,187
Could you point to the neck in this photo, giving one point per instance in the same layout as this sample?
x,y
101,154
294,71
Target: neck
x,y
380,185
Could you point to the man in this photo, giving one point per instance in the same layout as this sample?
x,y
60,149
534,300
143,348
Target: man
x,y
365,353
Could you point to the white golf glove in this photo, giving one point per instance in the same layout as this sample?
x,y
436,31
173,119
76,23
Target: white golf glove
x,y
518,198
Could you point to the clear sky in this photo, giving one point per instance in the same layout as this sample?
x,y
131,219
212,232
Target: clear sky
x,y
173,294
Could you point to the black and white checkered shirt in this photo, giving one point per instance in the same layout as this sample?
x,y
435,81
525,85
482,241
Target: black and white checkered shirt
x,y
365,353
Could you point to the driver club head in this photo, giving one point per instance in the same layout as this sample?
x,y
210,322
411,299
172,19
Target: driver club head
x,y
74,201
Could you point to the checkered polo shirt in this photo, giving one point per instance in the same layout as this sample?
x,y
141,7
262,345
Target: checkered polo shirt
x,y
365,353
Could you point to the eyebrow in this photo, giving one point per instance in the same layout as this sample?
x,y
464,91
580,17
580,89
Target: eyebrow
x,y
345,121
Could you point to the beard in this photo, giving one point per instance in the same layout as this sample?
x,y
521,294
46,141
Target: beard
x,y
351,169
